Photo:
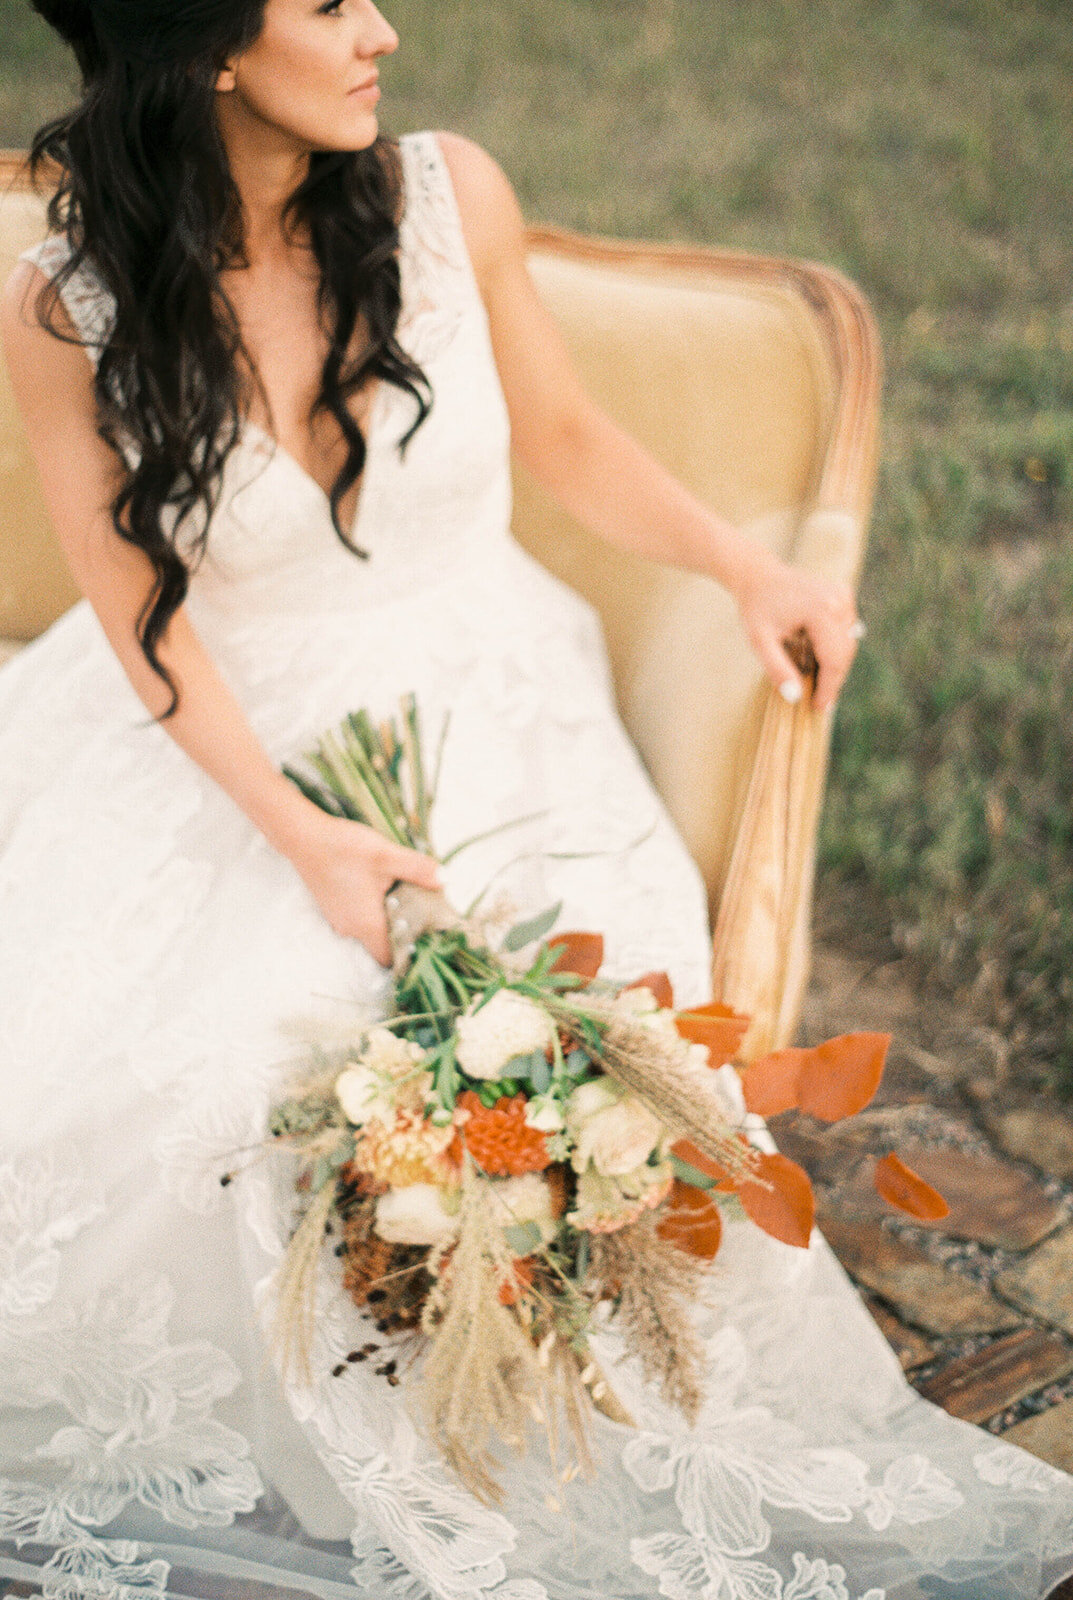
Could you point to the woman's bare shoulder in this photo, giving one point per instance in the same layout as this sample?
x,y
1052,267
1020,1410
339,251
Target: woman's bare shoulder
x,y
51,377
491,217
24,337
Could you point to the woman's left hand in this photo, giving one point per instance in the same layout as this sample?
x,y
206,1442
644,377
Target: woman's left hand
x,y
776,602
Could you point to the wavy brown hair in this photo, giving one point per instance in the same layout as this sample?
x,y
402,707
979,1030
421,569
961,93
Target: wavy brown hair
x,y
147,201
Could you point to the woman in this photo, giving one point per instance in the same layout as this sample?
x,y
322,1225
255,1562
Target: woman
x,y
307,347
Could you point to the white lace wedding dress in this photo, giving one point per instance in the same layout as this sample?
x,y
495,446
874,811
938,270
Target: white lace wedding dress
x,y
160,965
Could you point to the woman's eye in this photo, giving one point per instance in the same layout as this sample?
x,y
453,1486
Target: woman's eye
x,y
332,8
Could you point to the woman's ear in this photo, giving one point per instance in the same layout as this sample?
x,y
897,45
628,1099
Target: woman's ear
x,y
225,80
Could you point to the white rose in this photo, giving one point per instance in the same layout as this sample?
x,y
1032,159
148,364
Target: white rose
x,y
415,1214
526,1199
509,1025
612,1129
360,1093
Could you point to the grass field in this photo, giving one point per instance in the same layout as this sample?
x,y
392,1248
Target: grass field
x,y
926,149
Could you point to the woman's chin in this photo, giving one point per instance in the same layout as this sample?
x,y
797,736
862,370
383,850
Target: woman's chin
x,y
359,135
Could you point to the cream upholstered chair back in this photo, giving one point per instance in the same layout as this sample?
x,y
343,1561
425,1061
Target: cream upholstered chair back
x,y
756,381
35,586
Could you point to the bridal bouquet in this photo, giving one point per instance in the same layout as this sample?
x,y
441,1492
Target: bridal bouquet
x,y
522,1152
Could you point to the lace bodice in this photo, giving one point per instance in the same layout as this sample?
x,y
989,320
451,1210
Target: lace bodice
x,y
440,512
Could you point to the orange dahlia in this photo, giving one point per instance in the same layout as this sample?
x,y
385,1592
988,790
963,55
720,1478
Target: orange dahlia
x,y
499,1138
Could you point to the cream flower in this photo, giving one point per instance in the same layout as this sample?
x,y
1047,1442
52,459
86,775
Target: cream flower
x,y
606,1204
544,1113
383,1051
416,1214
361,1095
636,1002
508,1025
526,1199
611,1128
641,1005
384,1079
589,1098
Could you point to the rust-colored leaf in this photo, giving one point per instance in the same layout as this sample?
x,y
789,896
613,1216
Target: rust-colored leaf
x,y
840,1077
513,1288
718,1027
579,953
658,984
686,1150
691,1221
772,1083
781,1201
900,1186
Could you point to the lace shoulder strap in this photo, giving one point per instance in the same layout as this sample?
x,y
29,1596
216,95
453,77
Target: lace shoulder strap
x,y
438,286
87,301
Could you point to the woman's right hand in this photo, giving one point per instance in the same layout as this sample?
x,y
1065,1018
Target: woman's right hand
x,y
349,868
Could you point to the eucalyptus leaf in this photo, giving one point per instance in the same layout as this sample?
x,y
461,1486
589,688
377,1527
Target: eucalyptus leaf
x,y
577,1062
342,1153
524,933
523,1237
523,1066
323,1172
540,1073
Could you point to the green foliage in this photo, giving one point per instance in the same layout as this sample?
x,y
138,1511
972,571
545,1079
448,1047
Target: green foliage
x,y
922,146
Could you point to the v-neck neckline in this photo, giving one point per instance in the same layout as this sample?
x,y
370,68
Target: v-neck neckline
x,y
260,438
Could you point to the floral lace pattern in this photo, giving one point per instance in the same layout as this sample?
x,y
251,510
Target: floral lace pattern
x,y
165,966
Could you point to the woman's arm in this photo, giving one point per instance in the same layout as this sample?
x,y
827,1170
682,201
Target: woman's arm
x,y
603,476
347,866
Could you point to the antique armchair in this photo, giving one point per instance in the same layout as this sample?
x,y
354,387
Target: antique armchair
x,y
756,380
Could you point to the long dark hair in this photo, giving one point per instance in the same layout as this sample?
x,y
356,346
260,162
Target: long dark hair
x,y
147,200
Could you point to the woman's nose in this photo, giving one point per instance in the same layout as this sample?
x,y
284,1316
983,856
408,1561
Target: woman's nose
x,y
379,37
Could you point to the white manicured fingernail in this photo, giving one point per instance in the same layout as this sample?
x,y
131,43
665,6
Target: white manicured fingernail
x,y
857,630
791,690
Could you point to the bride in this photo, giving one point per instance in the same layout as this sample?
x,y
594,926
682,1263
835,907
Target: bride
x,y
281,481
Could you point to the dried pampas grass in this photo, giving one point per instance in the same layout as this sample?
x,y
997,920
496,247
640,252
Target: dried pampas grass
x,y
296,1288
654,1284
484,1377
